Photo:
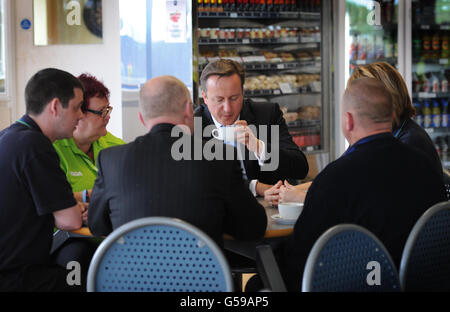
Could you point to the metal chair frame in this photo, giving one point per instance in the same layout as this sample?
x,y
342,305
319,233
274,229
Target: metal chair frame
x,y
413,237
324,239
117,236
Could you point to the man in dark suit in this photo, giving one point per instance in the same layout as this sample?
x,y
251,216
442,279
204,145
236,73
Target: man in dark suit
x,y
149,178
379,183
270,154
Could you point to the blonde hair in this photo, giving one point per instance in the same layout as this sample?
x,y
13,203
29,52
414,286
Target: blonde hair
x,y
393,82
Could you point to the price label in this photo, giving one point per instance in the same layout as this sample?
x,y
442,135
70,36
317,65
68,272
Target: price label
x,y
443,61
280,66
286,88
426,95
233,15
245,41
425,26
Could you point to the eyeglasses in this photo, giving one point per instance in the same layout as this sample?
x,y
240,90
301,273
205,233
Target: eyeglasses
x,y
104,112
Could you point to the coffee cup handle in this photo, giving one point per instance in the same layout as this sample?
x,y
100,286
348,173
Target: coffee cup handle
x,y
215,133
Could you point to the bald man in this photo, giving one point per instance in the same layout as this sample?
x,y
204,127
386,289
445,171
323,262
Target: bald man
x,y
379,183
143,178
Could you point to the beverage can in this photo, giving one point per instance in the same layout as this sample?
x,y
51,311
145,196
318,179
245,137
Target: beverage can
x,y
444,118
436,112
426,114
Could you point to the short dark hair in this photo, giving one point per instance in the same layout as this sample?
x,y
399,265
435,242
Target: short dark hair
x,y
92,88
222,68
48,84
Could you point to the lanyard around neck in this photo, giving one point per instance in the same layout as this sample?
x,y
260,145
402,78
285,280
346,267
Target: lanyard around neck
x,y
24,123
399,130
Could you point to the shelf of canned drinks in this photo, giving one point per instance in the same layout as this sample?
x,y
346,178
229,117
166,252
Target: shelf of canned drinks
x,y
308,16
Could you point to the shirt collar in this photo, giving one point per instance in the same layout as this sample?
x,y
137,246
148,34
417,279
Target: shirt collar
x,y
218,124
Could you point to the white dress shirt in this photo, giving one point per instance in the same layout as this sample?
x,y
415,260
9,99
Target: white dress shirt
x,y
261,158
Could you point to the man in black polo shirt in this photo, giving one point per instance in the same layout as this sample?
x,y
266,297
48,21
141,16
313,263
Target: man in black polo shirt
x,y
34,193
379,183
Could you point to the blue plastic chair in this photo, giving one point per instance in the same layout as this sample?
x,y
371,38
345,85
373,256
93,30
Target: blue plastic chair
x,y
349,258
158,254
425,264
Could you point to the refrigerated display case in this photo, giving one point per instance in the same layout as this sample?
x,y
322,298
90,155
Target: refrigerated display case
x,y
372,30
430,70
279,43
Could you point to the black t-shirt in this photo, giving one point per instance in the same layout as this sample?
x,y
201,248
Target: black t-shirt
x,y
32,187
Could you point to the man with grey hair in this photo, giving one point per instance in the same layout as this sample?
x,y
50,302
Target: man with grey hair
x,y
379,183
142,178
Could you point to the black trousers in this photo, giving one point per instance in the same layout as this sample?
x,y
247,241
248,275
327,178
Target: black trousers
x,y
53,277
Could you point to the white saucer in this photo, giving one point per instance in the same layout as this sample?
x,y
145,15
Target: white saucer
x,y
278,219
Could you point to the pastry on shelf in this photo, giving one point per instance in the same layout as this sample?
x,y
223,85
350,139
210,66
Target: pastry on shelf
x,y
287,57
290,117
309,113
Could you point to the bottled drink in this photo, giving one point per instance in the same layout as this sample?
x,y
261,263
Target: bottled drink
x,y
354,48
437,146
426,46
428,12
436,112
427,83
388,46
426,114
436,46
444,114
417,12
419,114
436,87
444,82
388,10
417,46
444,148
379,47
362,53
444,46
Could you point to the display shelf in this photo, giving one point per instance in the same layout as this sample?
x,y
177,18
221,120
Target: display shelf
x,y
308,16
431,95
306,42
277,92
293,41
276,66
370,61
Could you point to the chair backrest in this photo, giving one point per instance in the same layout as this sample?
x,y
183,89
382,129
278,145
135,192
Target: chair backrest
x,y
348,257
425,263
158,254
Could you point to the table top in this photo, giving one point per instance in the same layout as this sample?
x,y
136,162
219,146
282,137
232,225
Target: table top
x,y
273,228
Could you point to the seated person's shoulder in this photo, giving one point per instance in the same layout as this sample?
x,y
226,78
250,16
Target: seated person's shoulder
x,y
111,140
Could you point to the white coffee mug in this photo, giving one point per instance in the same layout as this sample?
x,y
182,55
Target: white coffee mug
x,y
290,211
225,133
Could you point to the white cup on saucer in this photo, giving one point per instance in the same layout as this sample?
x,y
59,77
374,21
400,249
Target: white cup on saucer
x,y
225,133
290,210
